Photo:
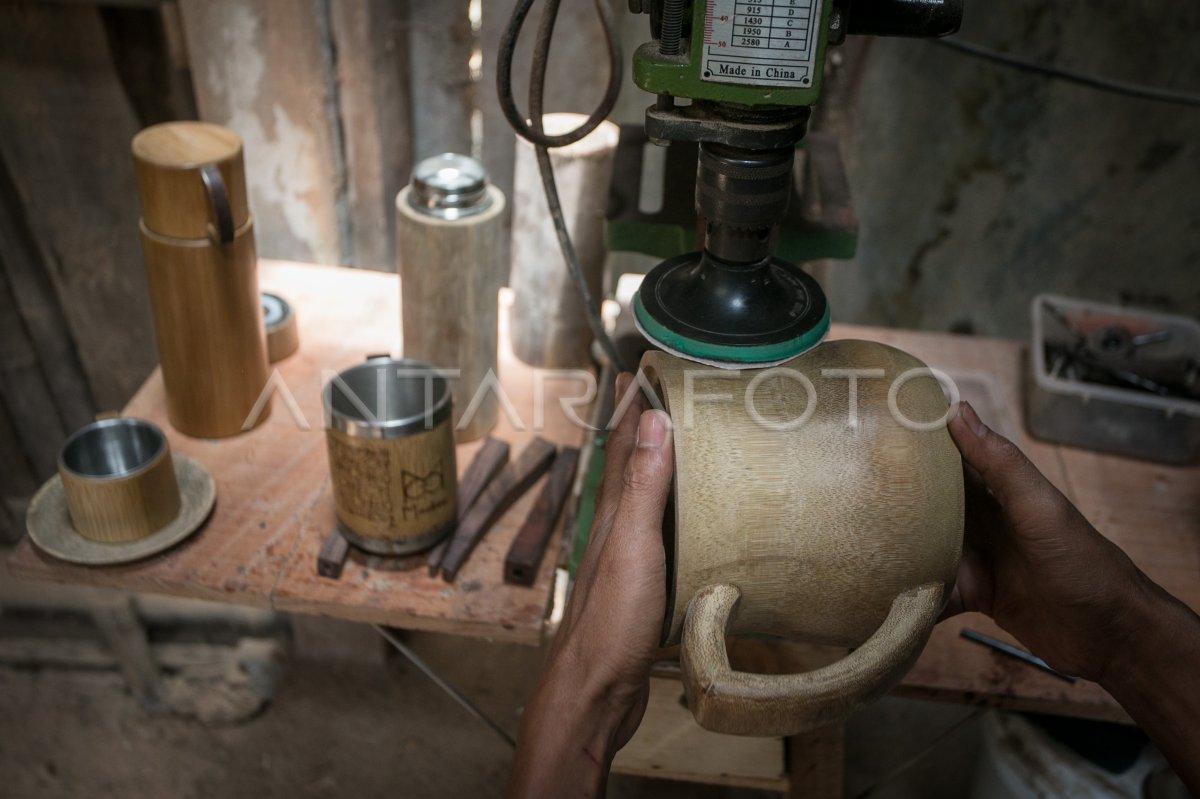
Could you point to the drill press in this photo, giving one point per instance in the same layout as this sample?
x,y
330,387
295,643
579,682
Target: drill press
x,y
740,77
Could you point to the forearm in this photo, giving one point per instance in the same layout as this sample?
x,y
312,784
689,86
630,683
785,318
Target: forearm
x,y
565,744
1157,680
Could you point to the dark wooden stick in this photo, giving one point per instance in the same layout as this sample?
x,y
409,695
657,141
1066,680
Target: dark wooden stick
x,y
491,458
498,497
528,548
332,556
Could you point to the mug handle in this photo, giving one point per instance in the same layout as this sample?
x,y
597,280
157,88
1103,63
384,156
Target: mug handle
x,y
218,203
743,703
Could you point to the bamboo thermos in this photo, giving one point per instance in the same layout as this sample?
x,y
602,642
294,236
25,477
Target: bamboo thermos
x,y
450,251
549,326
391,455
198,242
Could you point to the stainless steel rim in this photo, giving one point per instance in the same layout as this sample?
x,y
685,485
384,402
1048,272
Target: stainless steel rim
x,y
358,417
70,454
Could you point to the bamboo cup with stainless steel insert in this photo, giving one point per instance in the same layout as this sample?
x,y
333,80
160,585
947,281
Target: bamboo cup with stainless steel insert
x,y
119,480
391,455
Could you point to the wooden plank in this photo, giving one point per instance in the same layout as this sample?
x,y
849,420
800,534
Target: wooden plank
x,y
525,555
670,745
487,463
158,86
817,763
16,481
440,45
39,311
371,41
264,68
332,556
126,639
509,486
77,185
24,392
1150,510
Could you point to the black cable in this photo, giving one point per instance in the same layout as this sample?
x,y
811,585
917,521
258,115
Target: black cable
x,y
504,61
1091,81
533,132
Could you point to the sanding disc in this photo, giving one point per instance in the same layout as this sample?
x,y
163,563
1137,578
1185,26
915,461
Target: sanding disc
x,y
731,316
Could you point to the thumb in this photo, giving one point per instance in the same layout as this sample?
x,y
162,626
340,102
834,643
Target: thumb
x,y
1001,465
647,483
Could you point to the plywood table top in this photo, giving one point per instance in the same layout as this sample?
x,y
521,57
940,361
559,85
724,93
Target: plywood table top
x,y
274,500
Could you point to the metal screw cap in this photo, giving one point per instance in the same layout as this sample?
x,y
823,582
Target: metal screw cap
x,y
449,186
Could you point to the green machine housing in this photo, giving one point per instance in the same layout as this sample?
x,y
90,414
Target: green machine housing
x,y
737,79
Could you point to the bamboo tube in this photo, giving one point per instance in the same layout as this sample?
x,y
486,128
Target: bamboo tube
x,y
549,327
449,248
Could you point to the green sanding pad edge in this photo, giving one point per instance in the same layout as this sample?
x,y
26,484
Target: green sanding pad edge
x,y
725,355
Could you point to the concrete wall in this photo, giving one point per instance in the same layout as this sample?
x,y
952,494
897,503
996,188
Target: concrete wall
x,y
978,187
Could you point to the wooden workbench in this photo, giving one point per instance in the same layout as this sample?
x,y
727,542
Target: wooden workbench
x,y
274,504
274,499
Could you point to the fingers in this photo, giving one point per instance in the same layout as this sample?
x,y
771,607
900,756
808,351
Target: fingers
x,y
972,586
646,486
620,444
1000,464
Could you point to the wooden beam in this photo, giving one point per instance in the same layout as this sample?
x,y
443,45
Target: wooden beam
x,y
440,84
65,128
36,305
370,38
264,69
143,43
24,392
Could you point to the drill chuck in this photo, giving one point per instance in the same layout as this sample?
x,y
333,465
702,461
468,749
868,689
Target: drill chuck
x,y
742,195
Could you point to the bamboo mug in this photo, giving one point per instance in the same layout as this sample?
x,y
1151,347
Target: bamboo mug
x,y
391,455
119,480
820,501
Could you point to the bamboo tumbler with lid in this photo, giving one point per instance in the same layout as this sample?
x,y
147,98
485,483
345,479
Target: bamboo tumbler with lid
x,y
198,242
450,248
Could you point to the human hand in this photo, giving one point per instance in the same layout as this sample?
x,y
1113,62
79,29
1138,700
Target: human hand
x,y
593,693
1033,563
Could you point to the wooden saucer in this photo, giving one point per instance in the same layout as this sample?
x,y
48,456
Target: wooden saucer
x,y
50,528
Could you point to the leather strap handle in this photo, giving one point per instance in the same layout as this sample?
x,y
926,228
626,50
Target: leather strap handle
x,y
741,703
218,203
